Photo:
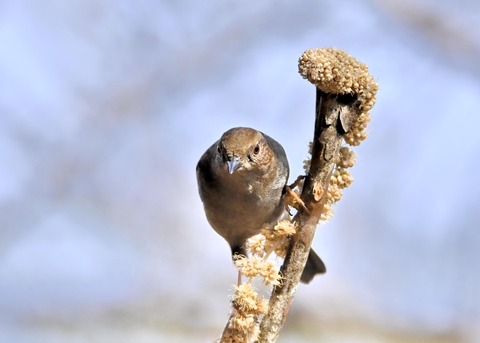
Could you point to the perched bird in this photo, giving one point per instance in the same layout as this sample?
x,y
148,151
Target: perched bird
x,y
242,180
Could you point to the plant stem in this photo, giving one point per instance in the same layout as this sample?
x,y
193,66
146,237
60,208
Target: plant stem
x,y
328,133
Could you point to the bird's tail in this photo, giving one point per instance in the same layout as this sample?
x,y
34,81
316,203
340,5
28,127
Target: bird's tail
x,y
313,267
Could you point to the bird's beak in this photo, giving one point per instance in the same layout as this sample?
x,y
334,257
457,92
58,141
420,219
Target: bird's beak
x,y
233,164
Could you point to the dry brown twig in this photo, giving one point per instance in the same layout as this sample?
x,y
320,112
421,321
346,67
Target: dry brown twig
x,y
345,94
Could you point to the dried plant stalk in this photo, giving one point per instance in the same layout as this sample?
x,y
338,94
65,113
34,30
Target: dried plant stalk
x,y
345,94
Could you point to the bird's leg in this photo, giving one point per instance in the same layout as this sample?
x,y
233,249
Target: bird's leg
x,y
239,278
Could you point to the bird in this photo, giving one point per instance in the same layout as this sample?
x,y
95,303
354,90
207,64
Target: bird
x,y
242,181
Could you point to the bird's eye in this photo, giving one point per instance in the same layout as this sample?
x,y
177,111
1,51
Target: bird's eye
x,y
219,149
256,150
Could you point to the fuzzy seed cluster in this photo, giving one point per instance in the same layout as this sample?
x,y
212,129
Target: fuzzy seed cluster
x,y
341,178
336,72
358,133
248,306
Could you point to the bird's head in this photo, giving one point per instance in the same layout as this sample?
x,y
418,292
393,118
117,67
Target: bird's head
x,y
244,148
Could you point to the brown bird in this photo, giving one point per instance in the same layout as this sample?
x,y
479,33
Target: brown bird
x,y
242,180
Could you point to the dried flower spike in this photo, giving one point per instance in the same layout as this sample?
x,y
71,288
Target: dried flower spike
x,y
346,157
245,298
336,72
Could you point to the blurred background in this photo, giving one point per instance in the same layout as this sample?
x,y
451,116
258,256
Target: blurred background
x,y
105,108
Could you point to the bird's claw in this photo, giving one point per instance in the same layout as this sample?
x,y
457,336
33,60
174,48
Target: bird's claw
x,y
294,196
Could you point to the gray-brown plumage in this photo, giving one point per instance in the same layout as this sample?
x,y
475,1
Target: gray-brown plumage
x,y
241,180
